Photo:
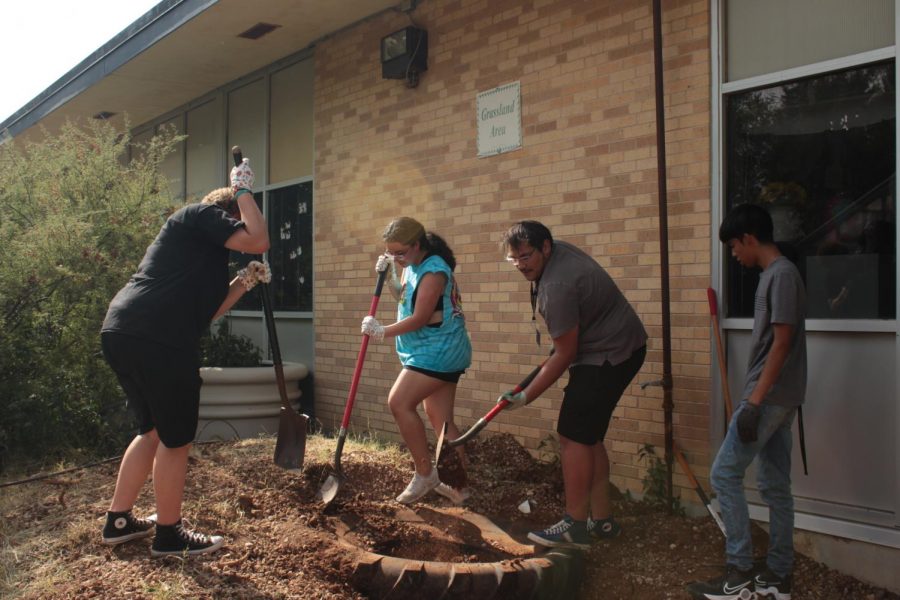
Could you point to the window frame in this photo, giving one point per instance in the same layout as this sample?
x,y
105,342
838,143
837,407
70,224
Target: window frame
x,y
719,89
266,189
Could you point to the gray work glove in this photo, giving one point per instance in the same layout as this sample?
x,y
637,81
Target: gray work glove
x,y
515,399
748,422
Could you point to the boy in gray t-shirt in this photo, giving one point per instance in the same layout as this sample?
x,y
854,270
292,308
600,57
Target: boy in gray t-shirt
x,y
774,387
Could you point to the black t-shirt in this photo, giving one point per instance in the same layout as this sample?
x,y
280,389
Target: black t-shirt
x,y
181,281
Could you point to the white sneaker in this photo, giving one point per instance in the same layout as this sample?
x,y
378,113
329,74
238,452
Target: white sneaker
x,y
418,487
452,494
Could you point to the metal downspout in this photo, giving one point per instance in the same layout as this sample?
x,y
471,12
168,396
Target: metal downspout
x,y
663,247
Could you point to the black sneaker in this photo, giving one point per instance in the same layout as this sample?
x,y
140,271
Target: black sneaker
x,y
176,540
734,585
123,527
770,585
604,529
568,533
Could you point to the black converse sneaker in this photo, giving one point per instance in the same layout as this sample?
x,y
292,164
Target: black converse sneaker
x,y
123,527
603,529
770,585
734,585
176,540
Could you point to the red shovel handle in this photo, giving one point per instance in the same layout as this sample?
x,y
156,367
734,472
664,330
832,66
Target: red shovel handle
x,y
351,397
713,303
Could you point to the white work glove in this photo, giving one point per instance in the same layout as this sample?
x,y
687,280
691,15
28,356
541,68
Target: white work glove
x,y
516,400
242,176
255,272
372,328
383,262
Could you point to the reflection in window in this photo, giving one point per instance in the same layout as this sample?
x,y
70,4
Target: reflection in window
x,y
290,254
819,155
291,257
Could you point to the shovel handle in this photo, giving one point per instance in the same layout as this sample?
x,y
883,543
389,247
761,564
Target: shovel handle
x,y
351,396
497,409
720,350
266,298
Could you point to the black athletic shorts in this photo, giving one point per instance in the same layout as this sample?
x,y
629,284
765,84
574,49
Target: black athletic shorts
x,y
162,385
452,377
591,396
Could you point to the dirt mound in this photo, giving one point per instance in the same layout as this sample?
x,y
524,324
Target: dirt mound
x,y
282,543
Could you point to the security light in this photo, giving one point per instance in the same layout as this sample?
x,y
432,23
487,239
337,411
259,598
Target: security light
x,y
404,54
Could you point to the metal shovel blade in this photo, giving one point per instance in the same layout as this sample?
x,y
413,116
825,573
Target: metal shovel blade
x,y
330,488
290,446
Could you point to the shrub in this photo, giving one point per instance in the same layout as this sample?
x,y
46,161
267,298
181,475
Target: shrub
x,y
75,219
227,349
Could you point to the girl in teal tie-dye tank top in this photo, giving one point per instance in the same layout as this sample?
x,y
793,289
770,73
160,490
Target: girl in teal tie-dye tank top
x,y
432,344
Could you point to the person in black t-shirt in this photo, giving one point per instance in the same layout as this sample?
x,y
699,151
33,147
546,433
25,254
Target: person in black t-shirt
x,y
151,338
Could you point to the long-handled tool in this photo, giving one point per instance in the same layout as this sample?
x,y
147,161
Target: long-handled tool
x,y
447,460
331,486
698,488
290,446
720,350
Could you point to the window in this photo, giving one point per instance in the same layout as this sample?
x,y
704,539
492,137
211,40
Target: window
x,y
291,254
819,154
771,35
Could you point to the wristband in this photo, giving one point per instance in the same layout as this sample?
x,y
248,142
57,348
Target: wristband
x,y
240,191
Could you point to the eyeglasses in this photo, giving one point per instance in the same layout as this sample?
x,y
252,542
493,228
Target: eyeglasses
x,y
396,255
516,260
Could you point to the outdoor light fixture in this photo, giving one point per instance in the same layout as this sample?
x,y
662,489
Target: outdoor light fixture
x,y
404,54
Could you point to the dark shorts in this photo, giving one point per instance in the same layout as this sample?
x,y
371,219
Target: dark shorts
x,y
162,385
449,377
591,397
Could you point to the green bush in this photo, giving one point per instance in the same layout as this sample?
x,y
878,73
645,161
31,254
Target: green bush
x,y
227,349
75,219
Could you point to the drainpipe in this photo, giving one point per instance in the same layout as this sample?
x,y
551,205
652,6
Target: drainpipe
x,y
666,381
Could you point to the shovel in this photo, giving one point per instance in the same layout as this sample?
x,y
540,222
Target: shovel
x,y
449,466
290,446
333,484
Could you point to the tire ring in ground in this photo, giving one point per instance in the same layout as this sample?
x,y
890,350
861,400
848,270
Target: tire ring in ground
x,y
554,575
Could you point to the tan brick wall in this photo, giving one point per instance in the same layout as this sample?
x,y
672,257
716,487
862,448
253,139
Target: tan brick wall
x,y
587,169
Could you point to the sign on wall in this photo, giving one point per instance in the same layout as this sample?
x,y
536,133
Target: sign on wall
x,y
499,116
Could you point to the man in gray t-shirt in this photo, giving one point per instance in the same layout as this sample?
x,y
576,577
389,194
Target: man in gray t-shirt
x,y
761,426
600,340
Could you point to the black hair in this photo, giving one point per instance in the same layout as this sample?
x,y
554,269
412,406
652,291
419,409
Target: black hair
x,y
432,243
750,219
532,233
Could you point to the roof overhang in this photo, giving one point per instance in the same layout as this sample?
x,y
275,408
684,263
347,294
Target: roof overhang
x,y
181,50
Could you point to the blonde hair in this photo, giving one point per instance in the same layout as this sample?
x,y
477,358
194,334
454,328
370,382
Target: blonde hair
x,y
222,197
404,230
408,231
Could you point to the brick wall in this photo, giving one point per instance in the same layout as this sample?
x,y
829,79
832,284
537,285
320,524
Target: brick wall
x,y
587,169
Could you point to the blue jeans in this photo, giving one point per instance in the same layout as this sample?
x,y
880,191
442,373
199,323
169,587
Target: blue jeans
x,y
773,445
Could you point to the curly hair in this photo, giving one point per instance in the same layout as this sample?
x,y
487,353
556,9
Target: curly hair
x,y
223,198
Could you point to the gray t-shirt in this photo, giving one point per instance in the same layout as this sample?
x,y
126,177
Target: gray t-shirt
x,y
576,291
780,298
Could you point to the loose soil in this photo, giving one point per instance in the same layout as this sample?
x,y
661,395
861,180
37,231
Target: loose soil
x,y
282,543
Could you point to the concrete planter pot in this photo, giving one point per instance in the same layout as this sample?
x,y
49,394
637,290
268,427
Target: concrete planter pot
x,y
242,402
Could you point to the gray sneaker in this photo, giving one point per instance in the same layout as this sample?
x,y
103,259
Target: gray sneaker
x,y
452,494
418,487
